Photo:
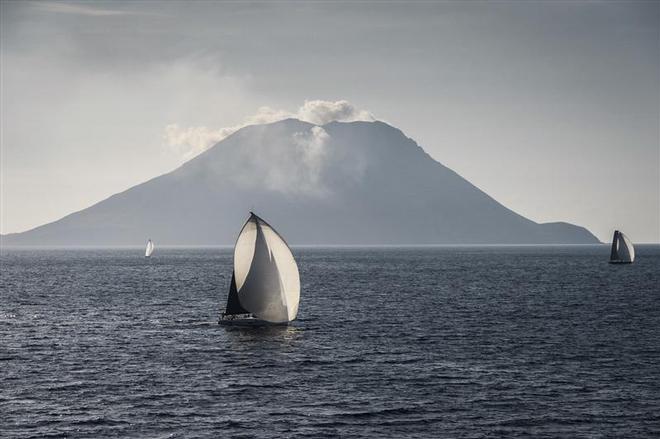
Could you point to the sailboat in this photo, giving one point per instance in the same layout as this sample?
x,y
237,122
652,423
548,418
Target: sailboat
x,y
623,251
265,284
150,249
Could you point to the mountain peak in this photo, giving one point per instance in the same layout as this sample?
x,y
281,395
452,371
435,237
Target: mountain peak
x,y
339,183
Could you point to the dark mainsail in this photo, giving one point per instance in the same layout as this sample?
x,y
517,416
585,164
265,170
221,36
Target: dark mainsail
x,y
614,255
233,305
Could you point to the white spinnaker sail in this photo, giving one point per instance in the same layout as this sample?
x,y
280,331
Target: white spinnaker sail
x,y
266,274
150,248
244,251
625,248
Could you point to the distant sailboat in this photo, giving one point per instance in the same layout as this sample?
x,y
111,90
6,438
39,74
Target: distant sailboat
x,y
623,251
149,250
265,284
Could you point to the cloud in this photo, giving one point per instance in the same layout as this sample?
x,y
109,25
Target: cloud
x,y
307,162
266,115
191,141
311,146
77,9
323,112
292,171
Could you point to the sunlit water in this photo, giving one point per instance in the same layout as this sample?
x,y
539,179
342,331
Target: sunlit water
x,y
390,342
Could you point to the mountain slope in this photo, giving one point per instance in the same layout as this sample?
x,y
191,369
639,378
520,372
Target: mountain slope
x,y
343,183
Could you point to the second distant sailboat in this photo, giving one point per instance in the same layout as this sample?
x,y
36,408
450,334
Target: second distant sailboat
x,y
149,250
623,251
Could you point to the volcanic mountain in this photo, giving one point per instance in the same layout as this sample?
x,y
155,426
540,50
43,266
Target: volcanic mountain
x,y
340,183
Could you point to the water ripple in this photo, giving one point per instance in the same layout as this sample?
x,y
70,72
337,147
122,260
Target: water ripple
x,y
431,342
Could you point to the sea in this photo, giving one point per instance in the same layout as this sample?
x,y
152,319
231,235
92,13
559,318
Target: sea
x,y
390,342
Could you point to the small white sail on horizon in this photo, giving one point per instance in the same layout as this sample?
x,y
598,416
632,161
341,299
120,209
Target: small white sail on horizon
x,y
150,249
622,251
265,279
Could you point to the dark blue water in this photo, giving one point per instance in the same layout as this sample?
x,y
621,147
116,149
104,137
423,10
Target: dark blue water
x,y
430,342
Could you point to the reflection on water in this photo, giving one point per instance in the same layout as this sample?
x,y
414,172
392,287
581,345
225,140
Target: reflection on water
x,y
283,332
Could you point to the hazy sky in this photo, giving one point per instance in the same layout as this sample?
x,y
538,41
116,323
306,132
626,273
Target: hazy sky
x,y
552,108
